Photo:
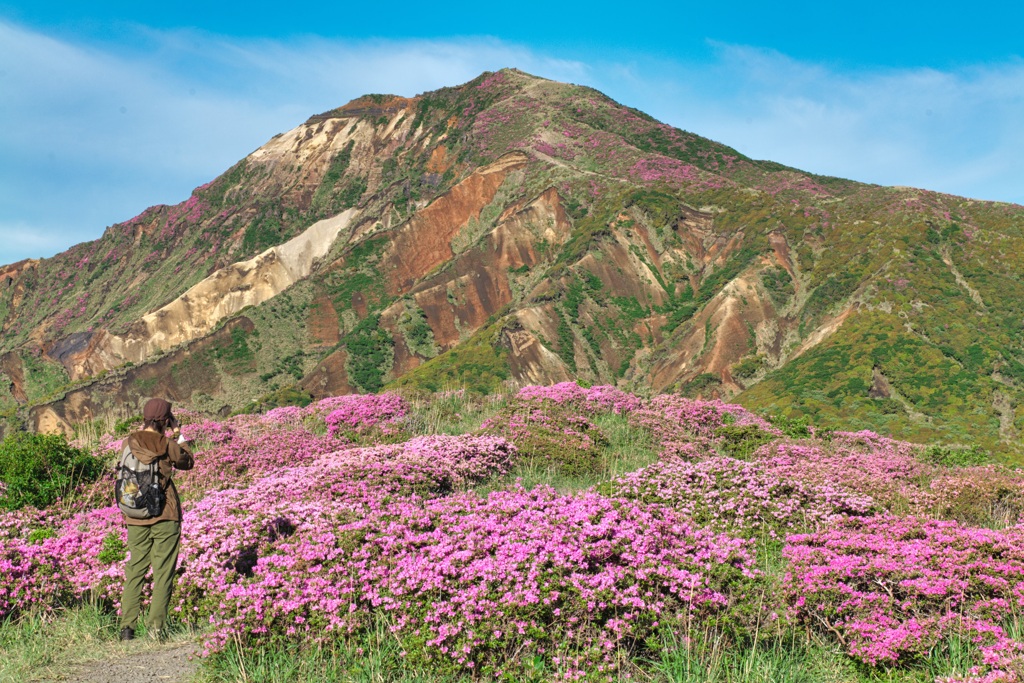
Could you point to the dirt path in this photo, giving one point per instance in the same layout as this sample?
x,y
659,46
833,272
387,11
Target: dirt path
x,y
143,663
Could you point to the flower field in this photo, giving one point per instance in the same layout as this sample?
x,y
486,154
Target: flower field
x,y
310,527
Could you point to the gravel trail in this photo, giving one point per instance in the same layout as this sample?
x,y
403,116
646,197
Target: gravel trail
x,y
149,663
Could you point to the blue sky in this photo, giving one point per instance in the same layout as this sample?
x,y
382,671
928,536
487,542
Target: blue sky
x,y
107,108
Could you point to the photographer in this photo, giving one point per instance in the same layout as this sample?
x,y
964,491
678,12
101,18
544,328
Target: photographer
x,y
155,540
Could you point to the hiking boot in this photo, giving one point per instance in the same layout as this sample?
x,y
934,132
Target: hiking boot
x,y
127,633
159,635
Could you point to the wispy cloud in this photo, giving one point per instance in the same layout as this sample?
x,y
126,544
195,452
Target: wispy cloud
x,y
953,131
94,133
24,237
97,133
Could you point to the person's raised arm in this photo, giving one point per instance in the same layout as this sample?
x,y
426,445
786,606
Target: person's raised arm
x,y
180,452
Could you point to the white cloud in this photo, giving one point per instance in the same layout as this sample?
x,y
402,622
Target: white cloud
x,y
94,133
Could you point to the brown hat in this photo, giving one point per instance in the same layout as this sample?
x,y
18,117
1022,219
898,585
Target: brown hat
x,y
158,410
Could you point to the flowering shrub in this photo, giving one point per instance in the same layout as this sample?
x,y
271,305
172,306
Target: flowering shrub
x,y
284,415
491,584
890,587
209,433
980,495
740,497
691,428
251,451
357,413
59,566
886,470
892,473
595,399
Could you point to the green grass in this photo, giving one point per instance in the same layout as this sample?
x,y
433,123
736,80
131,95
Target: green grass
x,y
38,647
453,410
628,449
376,655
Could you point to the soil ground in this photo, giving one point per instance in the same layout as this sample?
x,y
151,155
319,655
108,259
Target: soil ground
x,y
144,662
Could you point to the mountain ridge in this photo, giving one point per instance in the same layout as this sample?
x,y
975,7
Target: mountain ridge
x,y
606,247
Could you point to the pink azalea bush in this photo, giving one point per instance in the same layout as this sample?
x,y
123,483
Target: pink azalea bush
x,y
886,470
487,584
976,494
893,475
47,562
689,428
593,399
358,413
741,497
891,587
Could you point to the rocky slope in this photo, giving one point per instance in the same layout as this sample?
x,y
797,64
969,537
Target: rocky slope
x,y
518,229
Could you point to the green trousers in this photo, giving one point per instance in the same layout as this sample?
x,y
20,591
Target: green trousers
x,y
155,545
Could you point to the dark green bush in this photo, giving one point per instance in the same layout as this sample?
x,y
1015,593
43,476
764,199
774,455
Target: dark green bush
x,y
794,427
40,468
39,535
740,441
370,354
701,384
291,395
128,425
551,436
952,456
747,367
113,549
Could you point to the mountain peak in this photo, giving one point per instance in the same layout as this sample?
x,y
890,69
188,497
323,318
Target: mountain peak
x,y
516,229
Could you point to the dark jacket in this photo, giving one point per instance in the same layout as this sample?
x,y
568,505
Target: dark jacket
x,y
150,446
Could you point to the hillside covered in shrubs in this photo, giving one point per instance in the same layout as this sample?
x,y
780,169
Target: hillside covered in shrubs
x,y
562,533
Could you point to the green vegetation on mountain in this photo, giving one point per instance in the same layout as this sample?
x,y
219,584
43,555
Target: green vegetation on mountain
x,y
479,364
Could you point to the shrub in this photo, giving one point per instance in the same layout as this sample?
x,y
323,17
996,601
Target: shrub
x,y
40,468
740,498
41,534
701,384
550,435
950,456
794,427
983,496
890,588
128,425
113,550
740,441
748,367
370,354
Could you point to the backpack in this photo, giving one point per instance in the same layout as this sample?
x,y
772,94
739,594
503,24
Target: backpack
x,y
137,490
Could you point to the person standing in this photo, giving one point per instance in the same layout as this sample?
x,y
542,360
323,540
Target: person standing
x,y
155,540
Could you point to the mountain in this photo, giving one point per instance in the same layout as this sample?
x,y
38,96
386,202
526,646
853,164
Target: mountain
x,y
515,228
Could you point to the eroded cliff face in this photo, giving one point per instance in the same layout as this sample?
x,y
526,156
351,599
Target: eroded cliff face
x,y
510,230
425,242
229,290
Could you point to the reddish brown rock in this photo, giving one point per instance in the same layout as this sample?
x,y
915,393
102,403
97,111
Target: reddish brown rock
x,y
322,322
424,242
329,377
